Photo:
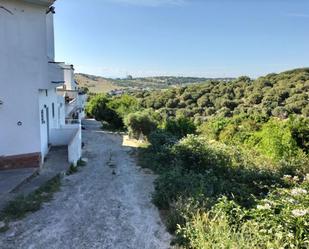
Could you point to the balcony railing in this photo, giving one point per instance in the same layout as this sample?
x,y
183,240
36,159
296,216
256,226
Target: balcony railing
x,y
72,121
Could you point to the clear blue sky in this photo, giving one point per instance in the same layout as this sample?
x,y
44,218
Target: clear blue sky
x,y
212,38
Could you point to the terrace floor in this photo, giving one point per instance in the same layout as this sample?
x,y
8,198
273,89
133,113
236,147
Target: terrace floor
x,y
24,181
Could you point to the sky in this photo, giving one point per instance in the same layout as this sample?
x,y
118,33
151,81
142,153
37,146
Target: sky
x,y
205,38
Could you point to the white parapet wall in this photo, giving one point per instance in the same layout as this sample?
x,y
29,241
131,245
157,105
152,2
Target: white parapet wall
x,y
68,135
75,148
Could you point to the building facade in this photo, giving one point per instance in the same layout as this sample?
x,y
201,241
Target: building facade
x,y
32,114
75,98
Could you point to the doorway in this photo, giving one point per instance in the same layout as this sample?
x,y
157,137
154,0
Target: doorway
x,y
47,125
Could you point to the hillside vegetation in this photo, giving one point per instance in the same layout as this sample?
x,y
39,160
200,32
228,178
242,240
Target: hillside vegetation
x,y
232,158
97,84
277,95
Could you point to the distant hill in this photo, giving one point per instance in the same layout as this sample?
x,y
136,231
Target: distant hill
x,y
95,84
100,84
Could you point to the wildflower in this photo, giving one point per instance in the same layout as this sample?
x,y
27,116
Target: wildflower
x,y
287,176
279,235
264,207
299,212
291,200
306,179
296,178
290,235
298,191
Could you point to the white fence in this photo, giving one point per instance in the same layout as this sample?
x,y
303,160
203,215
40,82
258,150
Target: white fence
x,y
68,135
75,148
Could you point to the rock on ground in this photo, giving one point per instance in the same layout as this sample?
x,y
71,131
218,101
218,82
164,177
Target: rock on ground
x,y
106,205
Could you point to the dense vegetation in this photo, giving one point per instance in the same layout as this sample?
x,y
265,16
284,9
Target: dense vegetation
x,y
232,158
277,95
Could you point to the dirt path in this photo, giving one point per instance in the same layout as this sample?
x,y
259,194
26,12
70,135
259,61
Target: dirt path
x,y
106,205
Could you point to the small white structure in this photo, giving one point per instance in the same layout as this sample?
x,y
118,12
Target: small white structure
x,y
32,114
75,99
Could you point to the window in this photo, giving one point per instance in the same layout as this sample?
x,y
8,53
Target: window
x,y
53,110
42,117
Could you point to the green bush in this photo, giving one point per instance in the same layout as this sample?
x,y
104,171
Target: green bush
x,y
281,220
98,108
174,184
213,229
140,124
123,105
195,153
160,139
274,140
299,127
179,127
213,127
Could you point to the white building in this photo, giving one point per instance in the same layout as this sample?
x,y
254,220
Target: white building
x,y
32,114
75,99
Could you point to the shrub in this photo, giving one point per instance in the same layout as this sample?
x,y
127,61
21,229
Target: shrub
x,y
213,230
123,105
179,127
98,108
140,123
213,127
197,173
160,139
174,184
195,153
95,105
299,127
284,216
280,112
274,140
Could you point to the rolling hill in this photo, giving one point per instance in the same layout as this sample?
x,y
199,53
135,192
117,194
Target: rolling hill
x,y
99,84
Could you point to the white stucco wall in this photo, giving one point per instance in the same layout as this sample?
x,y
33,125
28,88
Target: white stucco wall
x,y
63,135
75,148
70,83
52,105
69,135
23,68
61,110
50,38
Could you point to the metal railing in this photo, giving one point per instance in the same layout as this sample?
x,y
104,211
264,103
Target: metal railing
x,y
72,121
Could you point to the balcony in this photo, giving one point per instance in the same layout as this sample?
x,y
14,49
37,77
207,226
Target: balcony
x,y
74,104
69,135
55,74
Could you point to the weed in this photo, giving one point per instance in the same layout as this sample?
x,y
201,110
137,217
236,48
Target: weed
x,y
21,205
81,163
72,170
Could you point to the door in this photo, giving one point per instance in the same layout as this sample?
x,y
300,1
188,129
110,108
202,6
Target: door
x,y
47,125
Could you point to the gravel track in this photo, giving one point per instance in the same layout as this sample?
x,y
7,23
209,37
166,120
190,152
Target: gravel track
x,y
106,205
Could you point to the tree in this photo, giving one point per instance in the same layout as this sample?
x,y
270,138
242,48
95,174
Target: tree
x,y
180,126
98,108
140,124
123,105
